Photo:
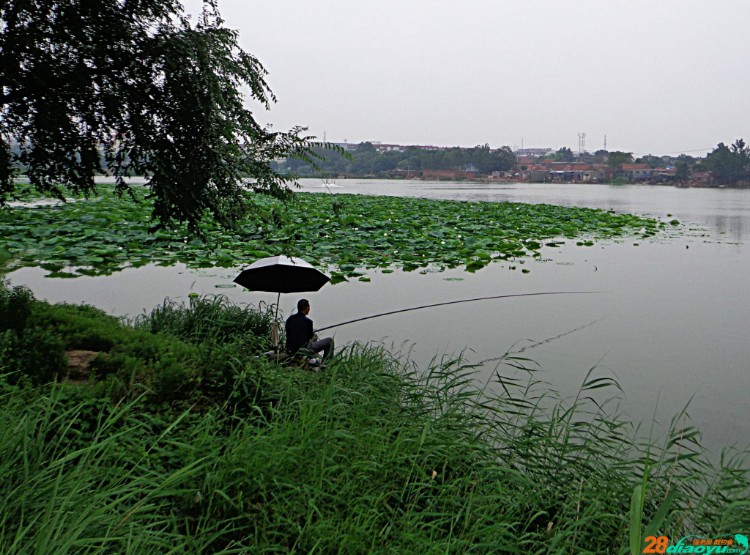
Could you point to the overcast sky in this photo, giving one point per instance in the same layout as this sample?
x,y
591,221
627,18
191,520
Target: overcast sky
x,y
654,76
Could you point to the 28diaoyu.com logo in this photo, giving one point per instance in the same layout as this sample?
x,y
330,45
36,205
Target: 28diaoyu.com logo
x,y
736,544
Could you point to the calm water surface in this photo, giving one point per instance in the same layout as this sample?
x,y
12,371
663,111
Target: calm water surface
x,y
671,320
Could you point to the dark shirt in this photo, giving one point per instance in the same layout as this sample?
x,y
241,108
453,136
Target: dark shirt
x,y
299,330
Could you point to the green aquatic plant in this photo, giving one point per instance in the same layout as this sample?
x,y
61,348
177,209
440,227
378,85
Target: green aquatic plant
x,y
348,234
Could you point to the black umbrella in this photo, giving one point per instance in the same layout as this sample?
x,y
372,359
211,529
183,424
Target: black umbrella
x,y
281,274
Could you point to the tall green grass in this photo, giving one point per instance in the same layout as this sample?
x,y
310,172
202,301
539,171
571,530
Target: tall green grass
x,y
365,457
372,455
210,318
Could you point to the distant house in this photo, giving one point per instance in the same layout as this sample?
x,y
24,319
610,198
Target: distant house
x,y
636,172
381,148
446,174
664,175
501,175
348,147
428,147
533,152
564,172
580,173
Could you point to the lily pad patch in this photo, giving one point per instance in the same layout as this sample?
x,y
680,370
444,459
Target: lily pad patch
x,y
345,234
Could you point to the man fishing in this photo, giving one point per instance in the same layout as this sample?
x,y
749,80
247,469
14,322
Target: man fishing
x,y
300,335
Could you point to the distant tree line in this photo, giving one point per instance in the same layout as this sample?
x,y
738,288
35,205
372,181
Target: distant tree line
x,y
729,164
366,160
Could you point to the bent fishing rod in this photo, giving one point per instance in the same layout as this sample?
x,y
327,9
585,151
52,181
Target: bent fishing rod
x,y
457,302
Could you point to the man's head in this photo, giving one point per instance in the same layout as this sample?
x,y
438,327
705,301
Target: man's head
x,y
303,306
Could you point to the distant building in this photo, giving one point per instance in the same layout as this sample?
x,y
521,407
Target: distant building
x,y
381,148
501,175
428,147
446,174
533,152
564,172
348,147
636,172
664,175
581,173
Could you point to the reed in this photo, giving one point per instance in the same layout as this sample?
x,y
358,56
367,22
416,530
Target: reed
x,y
208,318
364,457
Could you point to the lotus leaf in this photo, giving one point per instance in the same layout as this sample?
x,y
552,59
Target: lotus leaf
x,y
107,233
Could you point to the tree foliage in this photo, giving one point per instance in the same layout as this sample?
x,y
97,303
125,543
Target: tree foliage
x,y
617,158
651,160
132,87
366,160
729,164
682,170
564,154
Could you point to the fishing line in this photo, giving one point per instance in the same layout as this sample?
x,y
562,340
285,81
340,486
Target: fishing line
x,y
543,341
457,302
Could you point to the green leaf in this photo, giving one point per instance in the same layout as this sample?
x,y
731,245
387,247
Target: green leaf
x,y
636,509
661,513
337,277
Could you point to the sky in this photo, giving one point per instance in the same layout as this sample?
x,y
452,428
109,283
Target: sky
x,y
652,76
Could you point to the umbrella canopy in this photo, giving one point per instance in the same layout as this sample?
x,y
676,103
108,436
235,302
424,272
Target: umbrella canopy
x,y
282,274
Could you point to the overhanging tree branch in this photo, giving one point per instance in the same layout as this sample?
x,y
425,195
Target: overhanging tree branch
x,y
130,87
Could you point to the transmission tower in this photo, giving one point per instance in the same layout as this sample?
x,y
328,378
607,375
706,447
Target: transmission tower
x,y
581,142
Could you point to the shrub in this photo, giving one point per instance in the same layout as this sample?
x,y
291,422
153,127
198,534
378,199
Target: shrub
x,y
78,326
28,353
15,308
211,318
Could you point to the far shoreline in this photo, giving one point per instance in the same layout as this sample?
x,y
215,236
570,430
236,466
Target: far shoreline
x,y
143,180
492,181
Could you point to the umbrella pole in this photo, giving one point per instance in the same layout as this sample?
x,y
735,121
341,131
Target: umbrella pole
x,y
275,337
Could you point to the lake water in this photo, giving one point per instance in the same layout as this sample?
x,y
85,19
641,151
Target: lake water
x,y
671,318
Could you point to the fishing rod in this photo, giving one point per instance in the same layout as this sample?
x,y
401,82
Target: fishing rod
x,y
457,302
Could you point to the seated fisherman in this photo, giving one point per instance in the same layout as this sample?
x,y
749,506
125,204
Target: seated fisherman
x,y
300,335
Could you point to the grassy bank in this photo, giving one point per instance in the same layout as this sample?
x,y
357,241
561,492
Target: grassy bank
x,y
176,439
